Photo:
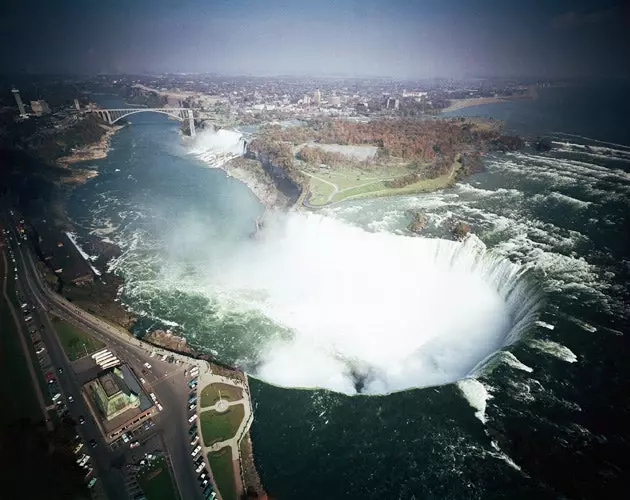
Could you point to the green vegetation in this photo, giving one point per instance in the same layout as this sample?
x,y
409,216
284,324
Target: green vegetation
x,y
156,482
222,468
210,394
76,343
217,427
16,388
353,183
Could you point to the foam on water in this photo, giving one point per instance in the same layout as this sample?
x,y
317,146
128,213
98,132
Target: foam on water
x,y
477,396
376,311
557,350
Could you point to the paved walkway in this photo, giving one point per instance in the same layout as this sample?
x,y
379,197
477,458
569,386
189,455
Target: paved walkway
x,y
207,378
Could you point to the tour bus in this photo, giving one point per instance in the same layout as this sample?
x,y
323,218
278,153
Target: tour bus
x,y
194,441
28,318
193,383
100,355
78,448
103,358
200,467
196,451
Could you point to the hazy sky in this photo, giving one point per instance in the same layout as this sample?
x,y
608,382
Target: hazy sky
x,y
398,38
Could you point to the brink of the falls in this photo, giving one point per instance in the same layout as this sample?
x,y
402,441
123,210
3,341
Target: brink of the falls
x,y
374,312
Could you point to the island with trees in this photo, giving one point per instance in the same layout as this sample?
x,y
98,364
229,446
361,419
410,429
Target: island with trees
x,y
329,160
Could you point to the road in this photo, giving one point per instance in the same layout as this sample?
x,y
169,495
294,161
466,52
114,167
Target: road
x,y
165,379
24,345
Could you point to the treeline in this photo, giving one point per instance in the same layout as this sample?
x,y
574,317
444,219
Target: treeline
x,y
277,160
52,144
440,166
316,156
405,139
140,97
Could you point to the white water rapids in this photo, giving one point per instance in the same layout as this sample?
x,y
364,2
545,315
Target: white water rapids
x,y
374,312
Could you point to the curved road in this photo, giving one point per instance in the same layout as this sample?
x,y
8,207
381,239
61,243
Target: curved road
x,y
166,380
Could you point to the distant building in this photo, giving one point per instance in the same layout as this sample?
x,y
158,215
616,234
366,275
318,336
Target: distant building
x,y
317,97
20,104
40,107
415,93
335,101
77,105
306,100
392,103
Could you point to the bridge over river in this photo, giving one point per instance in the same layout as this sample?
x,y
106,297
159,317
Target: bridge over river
x,y
112,116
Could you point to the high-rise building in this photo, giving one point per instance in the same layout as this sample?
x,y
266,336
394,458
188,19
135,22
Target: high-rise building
x,y
317,97
392,103
20,104
77,105
306,100
40,107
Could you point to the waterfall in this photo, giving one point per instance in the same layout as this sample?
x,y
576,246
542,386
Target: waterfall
x,y
376,312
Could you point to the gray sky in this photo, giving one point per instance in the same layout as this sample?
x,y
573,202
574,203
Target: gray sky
x,y
397,38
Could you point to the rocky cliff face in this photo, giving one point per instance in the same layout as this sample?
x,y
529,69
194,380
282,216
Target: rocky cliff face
x,y
168,340
283,180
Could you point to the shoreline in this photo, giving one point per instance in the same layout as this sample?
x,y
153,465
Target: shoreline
x,y
94,151
457,104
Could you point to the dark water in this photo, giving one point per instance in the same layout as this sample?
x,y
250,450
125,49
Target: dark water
x,y
549,420
590,113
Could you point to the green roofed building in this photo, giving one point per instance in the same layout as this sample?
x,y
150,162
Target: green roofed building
x,y
112,394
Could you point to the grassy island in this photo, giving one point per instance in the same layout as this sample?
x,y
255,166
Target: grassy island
x,y
333,159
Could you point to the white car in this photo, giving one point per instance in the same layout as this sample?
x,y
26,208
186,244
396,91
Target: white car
x,y
160,407
142,381
196,451
147,365
125,437
192,418
153,397
200,468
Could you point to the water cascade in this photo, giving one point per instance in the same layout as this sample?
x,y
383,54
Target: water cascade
x,y
375,312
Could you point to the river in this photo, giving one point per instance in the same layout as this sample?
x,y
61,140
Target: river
x,y
543,419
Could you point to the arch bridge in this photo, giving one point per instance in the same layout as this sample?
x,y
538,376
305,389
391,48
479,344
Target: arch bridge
x,y
111,116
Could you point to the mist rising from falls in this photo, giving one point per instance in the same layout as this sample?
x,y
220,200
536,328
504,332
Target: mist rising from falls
x,y
374,312
217,147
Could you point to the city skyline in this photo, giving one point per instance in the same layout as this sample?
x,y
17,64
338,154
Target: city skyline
x,y
399,39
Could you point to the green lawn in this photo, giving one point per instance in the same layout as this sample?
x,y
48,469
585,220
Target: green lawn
x,y
222,468
210,394
76,343
17,394
156,482
355,182
217,427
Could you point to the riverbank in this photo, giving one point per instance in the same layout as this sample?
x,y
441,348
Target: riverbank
x,y
251,173
94,151
455,104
